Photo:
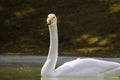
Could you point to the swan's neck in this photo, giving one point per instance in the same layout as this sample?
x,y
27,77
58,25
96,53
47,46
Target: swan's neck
x,y
49,66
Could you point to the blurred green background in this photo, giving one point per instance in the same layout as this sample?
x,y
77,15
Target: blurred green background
x,y
86,27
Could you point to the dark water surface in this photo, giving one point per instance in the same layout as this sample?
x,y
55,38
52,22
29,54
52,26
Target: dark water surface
x,y
29,67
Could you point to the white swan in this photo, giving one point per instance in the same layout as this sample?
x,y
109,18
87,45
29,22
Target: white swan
x,y
78,67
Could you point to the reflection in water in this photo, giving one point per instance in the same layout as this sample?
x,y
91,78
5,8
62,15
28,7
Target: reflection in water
x,y
81,78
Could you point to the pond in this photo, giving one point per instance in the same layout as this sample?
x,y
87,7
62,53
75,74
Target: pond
x,y
29,67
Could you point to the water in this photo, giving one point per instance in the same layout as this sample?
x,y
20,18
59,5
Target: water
x,y
81,78
20,72
29,67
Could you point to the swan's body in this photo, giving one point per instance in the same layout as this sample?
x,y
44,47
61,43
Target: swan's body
x,y
78,67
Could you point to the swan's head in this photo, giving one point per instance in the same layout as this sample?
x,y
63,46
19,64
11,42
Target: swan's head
x,y
51,19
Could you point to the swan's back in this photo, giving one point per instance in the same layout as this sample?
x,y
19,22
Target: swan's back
x,y
85,67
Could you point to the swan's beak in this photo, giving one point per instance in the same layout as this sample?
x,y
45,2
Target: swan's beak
x,y
49,21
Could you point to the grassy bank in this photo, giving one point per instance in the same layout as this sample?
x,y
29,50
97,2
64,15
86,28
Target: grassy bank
x,y
86,27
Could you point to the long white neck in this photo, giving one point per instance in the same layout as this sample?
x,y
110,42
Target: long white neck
x,y
49,66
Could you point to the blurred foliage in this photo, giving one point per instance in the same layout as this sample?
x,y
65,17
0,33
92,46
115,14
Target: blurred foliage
x,y
86,27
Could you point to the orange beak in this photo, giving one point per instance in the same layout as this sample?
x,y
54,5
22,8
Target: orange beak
x,y
49,21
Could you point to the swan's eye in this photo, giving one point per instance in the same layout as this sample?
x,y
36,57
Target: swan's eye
x,y
53,17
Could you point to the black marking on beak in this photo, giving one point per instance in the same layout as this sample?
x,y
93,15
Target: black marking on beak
x,y
48,22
